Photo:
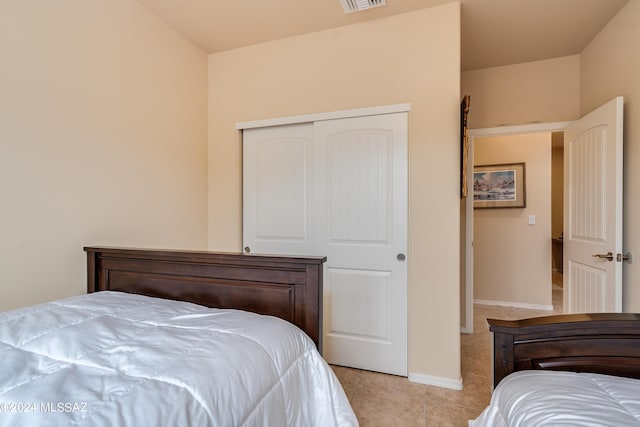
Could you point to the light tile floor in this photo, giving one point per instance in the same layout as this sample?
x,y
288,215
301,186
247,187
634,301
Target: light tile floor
x,y
388,400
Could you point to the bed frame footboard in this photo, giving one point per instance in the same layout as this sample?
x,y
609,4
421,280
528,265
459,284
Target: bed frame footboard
x,y
605,343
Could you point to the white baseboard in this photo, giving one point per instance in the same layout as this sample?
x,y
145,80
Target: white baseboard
x,y
436,381
514,304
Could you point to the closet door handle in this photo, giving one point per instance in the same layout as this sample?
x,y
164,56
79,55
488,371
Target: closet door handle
x,y
401,257
247,250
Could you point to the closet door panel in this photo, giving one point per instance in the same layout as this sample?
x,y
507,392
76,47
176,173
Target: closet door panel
x,y
276,185
360,199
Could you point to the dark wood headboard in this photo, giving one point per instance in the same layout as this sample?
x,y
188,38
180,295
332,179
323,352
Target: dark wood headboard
x,y
604,343
283,286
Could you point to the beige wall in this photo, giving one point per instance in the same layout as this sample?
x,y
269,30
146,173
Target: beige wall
x,y
414,58
610,66
102,140
512,259
541,91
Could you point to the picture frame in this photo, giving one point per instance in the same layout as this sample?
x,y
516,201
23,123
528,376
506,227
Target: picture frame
x,y
500,186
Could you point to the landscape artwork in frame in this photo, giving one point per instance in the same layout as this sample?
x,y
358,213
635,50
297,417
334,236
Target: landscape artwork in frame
x,y
499,186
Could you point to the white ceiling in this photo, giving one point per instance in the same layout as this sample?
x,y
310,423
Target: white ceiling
x,y
494,32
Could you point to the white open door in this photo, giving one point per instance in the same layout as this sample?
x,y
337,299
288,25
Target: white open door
x,y
593,211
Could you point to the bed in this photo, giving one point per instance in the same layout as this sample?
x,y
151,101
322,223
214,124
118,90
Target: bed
x,y
573,370
177,338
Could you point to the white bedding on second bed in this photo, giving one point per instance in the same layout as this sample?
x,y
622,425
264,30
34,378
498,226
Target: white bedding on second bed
x,y
547,398
111,358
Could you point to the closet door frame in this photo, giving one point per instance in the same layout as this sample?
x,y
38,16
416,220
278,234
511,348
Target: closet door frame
x,y
314,117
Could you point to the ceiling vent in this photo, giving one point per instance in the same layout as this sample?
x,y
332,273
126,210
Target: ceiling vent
x,y
351,6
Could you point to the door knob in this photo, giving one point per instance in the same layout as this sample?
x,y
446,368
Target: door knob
x,y
401,257
608,256
247,250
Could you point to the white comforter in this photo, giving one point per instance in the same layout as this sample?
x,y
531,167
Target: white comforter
x,y
111,358
545,398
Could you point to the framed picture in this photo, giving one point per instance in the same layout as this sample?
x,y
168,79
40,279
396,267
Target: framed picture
x,y
499,186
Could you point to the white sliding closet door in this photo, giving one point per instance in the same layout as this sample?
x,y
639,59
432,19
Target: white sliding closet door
x,y
338,188
276,189
360,196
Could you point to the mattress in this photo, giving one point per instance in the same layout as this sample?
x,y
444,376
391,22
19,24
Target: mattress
x,y
551,398
111,358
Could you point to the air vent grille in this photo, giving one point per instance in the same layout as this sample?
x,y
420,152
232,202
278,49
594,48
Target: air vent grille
x,y
351,6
